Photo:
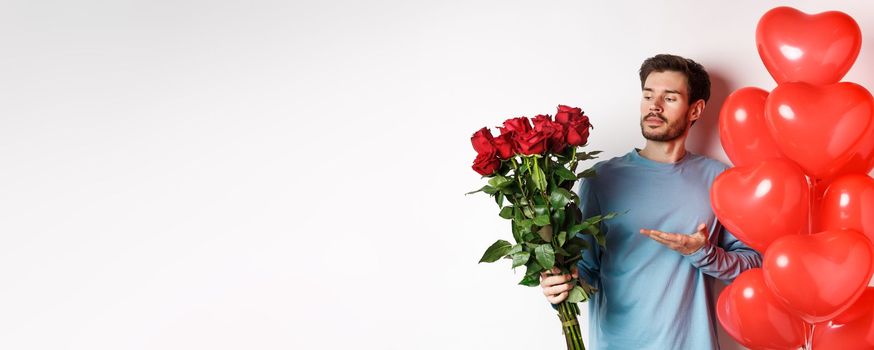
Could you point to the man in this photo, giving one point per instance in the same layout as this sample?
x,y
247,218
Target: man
x,y
654,278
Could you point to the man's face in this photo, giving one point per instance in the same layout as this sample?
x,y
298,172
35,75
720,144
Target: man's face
x,y
664,106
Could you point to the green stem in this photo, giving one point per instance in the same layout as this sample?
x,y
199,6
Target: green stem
x,y
567,313
546,166
521,185
574,159
519,178
545,171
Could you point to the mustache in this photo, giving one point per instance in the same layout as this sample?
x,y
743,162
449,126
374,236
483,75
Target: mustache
x,y
651,114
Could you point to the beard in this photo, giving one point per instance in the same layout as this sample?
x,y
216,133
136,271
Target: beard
x,y
673,131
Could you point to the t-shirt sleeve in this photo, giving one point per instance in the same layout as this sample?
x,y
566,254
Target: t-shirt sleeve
x,y
727,258
589,265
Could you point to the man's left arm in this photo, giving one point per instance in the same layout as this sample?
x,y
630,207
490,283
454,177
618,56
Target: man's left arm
x,y
725,260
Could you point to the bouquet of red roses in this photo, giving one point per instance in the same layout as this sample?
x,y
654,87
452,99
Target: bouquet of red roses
x,y
531,168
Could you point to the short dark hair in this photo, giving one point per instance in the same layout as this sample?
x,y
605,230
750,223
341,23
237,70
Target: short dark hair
x,y
697,78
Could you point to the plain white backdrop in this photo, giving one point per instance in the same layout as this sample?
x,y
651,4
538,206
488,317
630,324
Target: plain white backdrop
x,y
234,174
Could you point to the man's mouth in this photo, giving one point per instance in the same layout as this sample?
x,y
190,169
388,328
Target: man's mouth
x,y
653,118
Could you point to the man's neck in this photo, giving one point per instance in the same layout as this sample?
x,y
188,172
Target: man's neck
x,y
665,152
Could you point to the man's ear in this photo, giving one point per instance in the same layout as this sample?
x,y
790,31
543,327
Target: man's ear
x,y
696,110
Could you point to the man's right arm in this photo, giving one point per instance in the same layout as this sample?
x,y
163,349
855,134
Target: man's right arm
x,y
589,265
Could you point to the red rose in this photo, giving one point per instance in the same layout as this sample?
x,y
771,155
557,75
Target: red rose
x,y
557,142
517,125
531,142
504,145
567,114
578,131
541,119
486,163
482,141
553,131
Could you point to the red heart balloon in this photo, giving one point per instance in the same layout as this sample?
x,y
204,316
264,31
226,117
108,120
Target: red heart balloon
x,y
862,162
817,49
819,276
742,128
753,316
761,203
853,329
848,204
820,127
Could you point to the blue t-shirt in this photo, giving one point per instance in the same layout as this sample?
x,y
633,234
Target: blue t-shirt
x,y
651,297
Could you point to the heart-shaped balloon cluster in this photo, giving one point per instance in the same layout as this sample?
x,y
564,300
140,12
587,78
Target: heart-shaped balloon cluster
x,y
799,192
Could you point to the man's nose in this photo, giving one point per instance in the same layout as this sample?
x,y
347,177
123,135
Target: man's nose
x,y
655,107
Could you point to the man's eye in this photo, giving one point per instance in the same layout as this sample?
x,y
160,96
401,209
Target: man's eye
x,y
670,99
647,98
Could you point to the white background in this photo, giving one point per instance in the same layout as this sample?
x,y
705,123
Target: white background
x,y
290,175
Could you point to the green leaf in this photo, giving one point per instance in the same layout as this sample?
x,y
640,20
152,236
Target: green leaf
x,y
579,227
496,251
577,295
522,170
558,217
479,190
541,220
575,199
528,212
528,236
545,233
517,215
490,190
561,238
525,224
500,182
611,215
564,174
594,220
506,212
587,173
541,209
520,258
560,197
533,268
588,155
517,233
599,236
545,255
499,198
538,176
576,245
530,280
602,241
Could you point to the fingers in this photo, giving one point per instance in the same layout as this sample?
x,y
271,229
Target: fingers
x,y
553,271
685,244
663,236
555,287
671,240
557,298
702,230
551,281
670,244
